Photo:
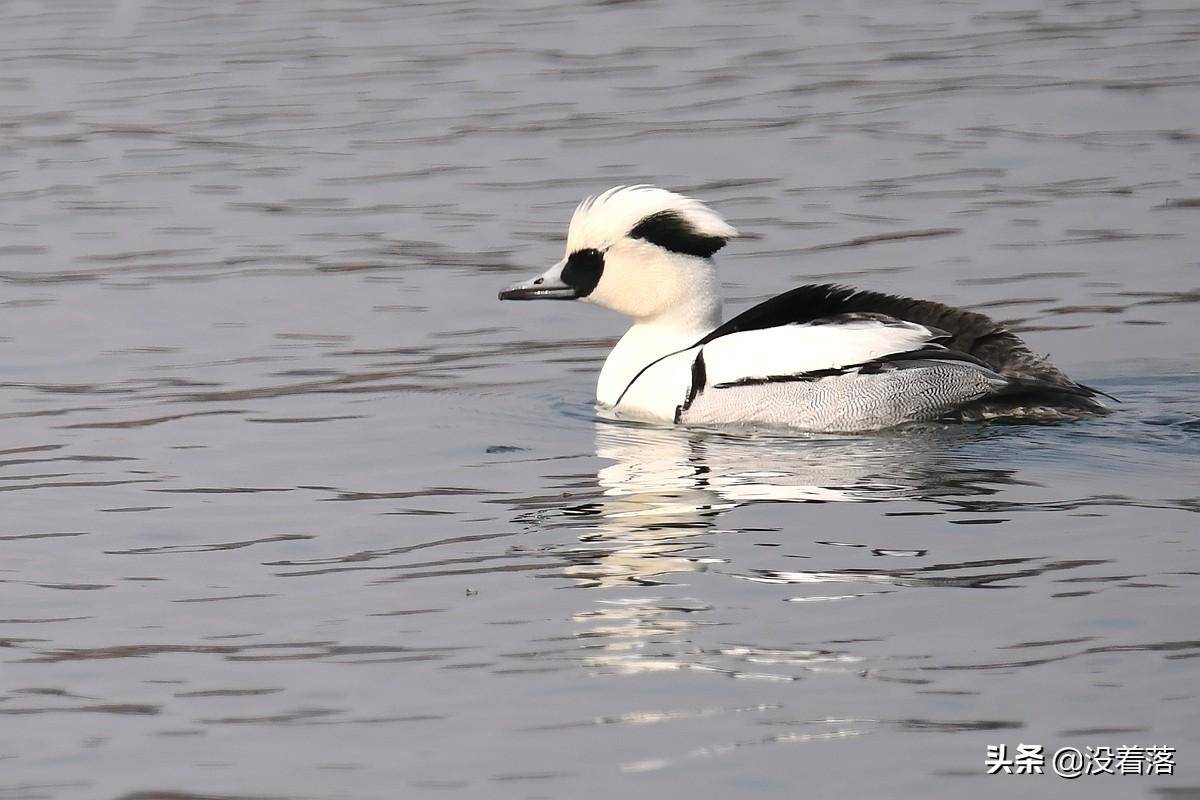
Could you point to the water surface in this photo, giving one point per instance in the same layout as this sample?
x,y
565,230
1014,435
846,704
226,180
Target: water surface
x,y
292,507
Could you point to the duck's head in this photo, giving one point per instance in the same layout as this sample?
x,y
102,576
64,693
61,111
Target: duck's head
x,y
639,250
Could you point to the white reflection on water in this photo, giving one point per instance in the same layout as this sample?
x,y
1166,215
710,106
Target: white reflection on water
x,y
656,522
667,486
669,471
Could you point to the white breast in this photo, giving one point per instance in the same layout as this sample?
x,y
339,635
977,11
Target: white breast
x,y
633,385
659,390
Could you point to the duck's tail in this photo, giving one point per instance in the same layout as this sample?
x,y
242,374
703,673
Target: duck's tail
x,y
1026,399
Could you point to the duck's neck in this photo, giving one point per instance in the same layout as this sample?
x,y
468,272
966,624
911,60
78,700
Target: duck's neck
x,y
651,339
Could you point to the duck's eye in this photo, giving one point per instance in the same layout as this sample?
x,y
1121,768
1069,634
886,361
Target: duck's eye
x,y
583,270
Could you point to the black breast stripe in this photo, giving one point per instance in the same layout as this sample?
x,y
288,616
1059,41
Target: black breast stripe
x,y
699,379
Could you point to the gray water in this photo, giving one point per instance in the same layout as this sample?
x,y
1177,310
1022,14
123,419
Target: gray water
x,y
291,507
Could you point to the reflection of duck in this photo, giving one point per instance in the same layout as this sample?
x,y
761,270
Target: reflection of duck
x,y
666,486
818,358
656,522
816,468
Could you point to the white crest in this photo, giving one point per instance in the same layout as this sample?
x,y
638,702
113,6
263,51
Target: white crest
x,y
603,220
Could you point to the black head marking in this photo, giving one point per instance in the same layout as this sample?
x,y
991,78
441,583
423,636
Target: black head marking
x,y
670,231
583,270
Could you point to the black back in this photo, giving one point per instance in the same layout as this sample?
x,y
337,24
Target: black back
x,y
967,332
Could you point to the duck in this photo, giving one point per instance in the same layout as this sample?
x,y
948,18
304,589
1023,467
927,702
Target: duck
x,y
824,358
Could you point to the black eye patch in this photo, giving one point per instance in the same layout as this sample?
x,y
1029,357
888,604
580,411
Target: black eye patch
x,y
670,231
583,270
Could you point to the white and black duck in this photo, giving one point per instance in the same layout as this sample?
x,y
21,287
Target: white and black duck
x,y
816,358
